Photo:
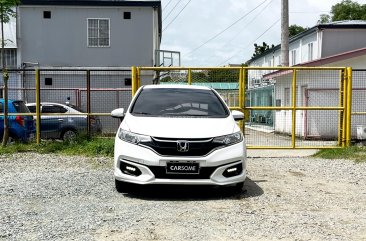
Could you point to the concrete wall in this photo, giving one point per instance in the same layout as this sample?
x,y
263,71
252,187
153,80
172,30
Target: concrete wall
x,y
338,40
62,40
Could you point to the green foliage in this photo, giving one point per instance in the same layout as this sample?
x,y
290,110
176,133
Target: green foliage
x,y
81,146
8,10
295,30
324,18
199,77
223,75
345,10
260,49
348,10
166,79
355,153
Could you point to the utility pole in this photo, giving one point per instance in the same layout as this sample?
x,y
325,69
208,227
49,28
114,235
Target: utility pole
x,y
284,33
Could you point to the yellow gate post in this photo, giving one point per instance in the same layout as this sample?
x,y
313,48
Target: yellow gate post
x,y
38,108
190,76
349,106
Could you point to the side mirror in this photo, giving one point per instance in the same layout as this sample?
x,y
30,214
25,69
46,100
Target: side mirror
x,y
118,113
238,115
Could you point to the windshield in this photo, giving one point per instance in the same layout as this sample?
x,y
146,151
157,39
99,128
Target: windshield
x,y
171,102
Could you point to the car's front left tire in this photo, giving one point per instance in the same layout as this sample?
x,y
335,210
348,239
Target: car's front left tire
x,y
123,187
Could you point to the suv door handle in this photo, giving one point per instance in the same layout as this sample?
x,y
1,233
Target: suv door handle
x,y
60,120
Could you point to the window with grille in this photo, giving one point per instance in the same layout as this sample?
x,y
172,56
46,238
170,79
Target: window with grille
x,y
10,58
98,32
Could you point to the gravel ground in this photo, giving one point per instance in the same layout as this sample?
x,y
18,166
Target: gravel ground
x,y
52,197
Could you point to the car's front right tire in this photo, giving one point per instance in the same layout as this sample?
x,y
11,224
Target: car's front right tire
x,y
122,187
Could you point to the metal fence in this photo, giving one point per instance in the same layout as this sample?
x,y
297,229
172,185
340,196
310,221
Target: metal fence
x,y
95,93
285,107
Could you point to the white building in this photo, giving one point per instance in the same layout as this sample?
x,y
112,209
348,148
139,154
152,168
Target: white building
x,y
337,44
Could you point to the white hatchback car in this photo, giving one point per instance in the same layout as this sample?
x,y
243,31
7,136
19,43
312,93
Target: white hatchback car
x,y
175,134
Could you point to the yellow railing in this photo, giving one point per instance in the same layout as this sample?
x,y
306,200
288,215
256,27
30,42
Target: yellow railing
x,y
344,108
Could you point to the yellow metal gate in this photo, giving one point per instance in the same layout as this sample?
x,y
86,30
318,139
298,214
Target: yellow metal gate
x,y
285,107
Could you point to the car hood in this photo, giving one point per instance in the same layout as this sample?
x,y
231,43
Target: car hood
x,y
180,127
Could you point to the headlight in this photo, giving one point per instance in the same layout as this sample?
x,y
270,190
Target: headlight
x,y
228,139
132,137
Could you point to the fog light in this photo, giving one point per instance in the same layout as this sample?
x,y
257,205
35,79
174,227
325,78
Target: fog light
x,y
130,169
233,170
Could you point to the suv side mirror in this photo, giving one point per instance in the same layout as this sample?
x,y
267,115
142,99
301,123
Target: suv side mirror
x,y
238,115
118,113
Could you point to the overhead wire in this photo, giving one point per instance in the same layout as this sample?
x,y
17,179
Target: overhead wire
x,y
171,11
167,4
221,32
252,20
176,15
251,42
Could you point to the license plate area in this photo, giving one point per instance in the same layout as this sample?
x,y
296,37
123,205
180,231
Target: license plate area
x,y
182,168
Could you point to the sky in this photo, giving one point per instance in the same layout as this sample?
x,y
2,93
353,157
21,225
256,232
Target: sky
x,y
218,32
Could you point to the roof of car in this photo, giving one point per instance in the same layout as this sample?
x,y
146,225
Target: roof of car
x,y
48,103
176,86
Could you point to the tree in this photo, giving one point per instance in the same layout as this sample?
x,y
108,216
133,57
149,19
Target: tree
x,y
295,29
324,18
6,12
223,75
260,49
345,10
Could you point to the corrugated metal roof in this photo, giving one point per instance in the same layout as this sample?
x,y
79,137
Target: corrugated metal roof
x,y
213,85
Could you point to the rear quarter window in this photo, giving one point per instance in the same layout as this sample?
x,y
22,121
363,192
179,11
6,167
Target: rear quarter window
x,y
20,107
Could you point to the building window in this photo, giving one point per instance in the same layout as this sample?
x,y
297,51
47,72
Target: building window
x,y
48,81
128,82
293,57
310,51
10,58
98,32
46,14
287,97
126,15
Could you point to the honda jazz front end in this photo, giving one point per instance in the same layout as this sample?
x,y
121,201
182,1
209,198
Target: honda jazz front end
x,y
178,135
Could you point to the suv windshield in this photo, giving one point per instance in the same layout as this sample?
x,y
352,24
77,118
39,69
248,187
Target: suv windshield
x,y
179,103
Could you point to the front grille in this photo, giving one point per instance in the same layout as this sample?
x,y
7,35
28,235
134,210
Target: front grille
x,y
168,147
160,172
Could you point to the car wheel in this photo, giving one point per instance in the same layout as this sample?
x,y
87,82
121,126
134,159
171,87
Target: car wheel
x,y
12,140
69,135
238,188
123,187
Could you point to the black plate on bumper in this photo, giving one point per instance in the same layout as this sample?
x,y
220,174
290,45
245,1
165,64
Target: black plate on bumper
x,y
182,168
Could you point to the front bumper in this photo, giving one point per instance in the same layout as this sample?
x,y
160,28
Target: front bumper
x,y
148,162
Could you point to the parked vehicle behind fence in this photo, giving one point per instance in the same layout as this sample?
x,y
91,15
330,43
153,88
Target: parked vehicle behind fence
x,y
21,128
64,126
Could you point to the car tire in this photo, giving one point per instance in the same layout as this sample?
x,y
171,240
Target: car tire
x,y
123,187
69,135
238,188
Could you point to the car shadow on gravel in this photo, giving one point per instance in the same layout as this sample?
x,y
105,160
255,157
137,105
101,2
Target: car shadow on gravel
x,y
189,193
